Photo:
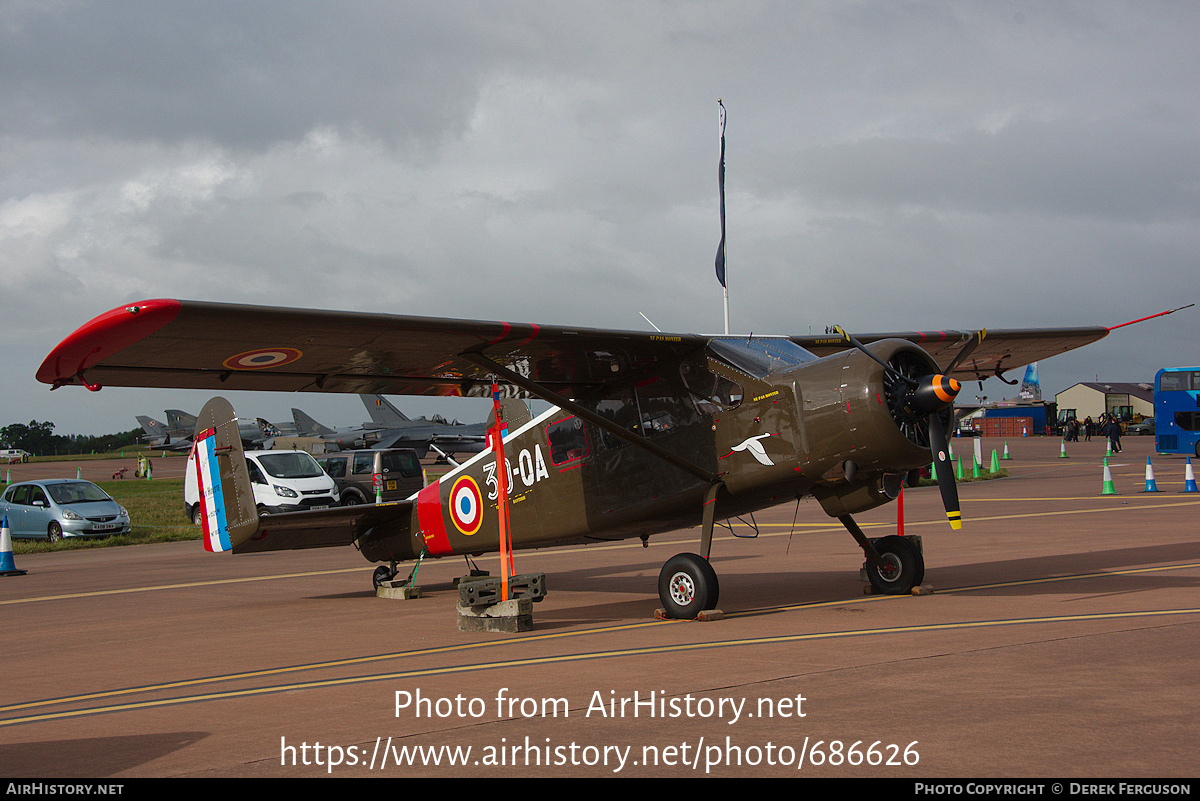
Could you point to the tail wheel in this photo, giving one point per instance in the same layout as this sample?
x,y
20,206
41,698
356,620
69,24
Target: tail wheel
x,y
382,574
687,585
903,567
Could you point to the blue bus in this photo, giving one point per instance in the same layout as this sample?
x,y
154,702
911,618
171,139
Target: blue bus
x,y
1177,410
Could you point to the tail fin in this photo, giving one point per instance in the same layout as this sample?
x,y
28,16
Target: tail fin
x,y
226,497
152,427
308,427
383,412
178,420
1031,388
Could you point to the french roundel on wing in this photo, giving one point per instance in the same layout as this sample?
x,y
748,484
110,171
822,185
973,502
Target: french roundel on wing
x,y
466,505
262,357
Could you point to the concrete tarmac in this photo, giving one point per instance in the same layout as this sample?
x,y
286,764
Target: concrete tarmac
x,y
1061,640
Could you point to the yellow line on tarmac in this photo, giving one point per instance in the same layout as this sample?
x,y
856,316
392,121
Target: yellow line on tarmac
x,y
178,585
521,641
567,658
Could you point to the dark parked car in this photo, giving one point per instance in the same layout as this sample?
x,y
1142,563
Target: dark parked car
x,y
1143,428
59,507
351,471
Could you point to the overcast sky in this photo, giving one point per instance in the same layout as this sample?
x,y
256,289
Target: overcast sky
x,y
890,166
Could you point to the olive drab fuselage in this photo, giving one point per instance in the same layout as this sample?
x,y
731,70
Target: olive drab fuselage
x,y
764,436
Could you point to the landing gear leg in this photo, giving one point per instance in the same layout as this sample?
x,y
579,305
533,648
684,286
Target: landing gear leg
x,y
687,584
894,565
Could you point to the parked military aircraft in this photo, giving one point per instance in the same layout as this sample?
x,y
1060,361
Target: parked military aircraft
x,y
399,431
339,438
176,433
159,436
647,432
390,428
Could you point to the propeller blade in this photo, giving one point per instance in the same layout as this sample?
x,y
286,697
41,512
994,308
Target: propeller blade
x,y
850,340
945,472
967,349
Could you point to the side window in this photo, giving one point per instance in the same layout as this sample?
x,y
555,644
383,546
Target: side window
x,y
256,476
334,468
363,463
568,440
37,495
660,408
406,464
712,393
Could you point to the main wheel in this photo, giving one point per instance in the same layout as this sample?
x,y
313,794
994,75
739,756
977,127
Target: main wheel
x,y
687,585
54,532
903,567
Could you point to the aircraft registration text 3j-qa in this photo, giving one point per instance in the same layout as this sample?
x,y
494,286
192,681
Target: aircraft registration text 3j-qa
x,y
647,432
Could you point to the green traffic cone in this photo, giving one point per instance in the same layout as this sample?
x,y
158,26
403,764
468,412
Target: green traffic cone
x,y
1109,489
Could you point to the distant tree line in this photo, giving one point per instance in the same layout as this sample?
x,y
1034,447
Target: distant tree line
x,y
40,440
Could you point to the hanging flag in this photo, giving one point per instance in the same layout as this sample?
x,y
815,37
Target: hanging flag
x,y
721,187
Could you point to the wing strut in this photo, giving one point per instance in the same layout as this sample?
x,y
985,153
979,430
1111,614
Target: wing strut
x,y
579,411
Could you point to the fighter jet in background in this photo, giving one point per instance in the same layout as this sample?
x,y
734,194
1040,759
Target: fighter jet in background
x,y
158,436
391,428
400,431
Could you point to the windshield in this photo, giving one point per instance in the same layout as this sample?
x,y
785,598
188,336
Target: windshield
x,y
296,464
76,492
760,357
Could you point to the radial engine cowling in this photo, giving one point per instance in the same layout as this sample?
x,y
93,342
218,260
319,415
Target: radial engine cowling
x,y
866,426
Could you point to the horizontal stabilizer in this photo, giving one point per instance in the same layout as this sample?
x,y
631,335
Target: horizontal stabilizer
x,y
323,528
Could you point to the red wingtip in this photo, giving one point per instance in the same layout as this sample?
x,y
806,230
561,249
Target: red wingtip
x,y
104,336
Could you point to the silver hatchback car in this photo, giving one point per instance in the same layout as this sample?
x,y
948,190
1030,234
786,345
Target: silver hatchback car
x,y
59,507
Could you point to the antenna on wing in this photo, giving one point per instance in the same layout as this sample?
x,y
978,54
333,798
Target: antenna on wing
x,y
721,189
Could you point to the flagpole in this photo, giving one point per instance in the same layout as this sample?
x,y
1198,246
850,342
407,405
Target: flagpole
x,y
720,261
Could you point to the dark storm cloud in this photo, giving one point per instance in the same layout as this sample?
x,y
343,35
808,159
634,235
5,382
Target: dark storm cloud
x,y
890,164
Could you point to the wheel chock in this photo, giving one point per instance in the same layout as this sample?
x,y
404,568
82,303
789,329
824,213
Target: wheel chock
x,y
704,616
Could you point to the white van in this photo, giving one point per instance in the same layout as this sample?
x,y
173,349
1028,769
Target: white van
x,y
283,481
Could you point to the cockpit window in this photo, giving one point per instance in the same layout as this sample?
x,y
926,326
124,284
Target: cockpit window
x,y
759,356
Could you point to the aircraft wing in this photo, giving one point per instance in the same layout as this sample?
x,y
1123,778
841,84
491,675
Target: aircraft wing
x,y
999,351
198,345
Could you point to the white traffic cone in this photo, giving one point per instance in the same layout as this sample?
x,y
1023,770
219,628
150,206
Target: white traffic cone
x,y
1189,478
7,566
1150,485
